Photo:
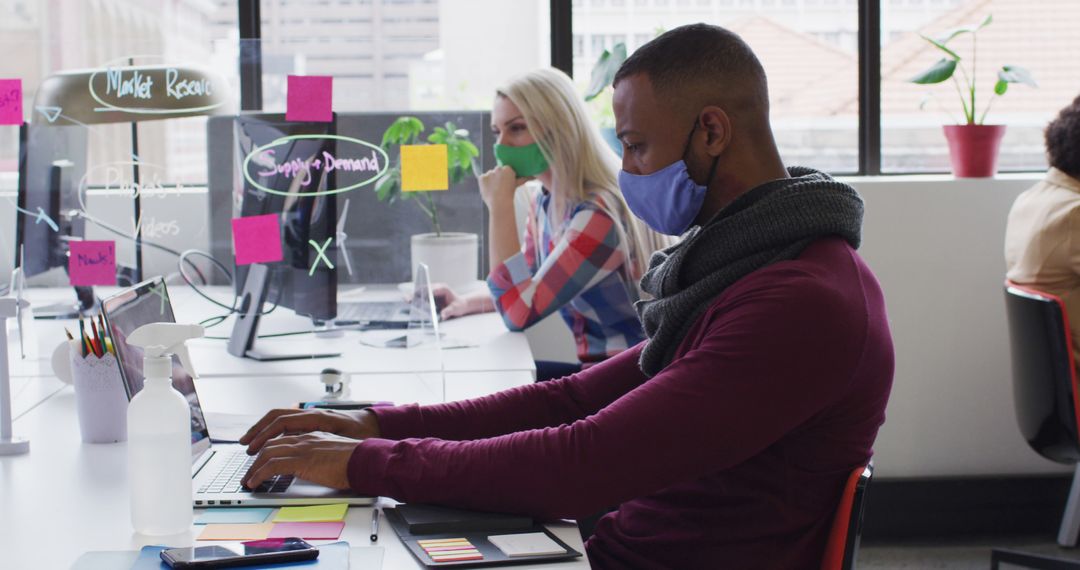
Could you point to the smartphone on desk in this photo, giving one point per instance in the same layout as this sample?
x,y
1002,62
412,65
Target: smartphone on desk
x,y
269,551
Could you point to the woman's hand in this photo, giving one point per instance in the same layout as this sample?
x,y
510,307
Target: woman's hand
x,y
497,186
318,457
355,425
444,295
468,304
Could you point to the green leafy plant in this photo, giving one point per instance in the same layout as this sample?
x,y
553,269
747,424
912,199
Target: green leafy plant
x,y
948,65
461,156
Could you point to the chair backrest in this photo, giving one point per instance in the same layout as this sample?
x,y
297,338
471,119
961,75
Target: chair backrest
x,y
842,546
1043,372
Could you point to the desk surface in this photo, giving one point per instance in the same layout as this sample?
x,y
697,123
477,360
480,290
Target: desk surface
x,y
488,345
65,498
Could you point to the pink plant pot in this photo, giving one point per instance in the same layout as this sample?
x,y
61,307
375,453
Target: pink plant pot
x,y
973,149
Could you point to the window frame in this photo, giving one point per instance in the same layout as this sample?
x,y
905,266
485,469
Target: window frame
x,y
562,57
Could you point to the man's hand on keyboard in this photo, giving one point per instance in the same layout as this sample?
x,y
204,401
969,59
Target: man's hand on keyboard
x,y
318,457
355,425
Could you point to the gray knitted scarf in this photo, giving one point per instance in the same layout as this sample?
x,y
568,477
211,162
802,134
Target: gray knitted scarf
x,y
772,222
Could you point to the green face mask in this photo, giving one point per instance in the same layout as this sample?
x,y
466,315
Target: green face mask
x,y
525,160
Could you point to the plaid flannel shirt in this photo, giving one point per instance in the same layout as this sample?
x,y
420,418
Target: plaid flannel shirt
x,y
582,274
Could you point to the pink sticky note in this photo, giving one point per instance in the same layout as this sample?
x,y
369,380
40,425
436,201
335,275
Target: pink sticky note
x,y
11,102
308,530
257,239
310,98
92,263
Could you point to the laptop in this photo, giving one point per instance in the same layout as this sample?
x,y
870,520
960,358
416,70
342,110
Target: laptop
x,y
374,314
216,468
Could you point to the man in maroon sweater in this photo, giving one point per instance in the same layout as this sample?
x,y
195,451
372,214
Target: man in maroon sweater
x,y
725,438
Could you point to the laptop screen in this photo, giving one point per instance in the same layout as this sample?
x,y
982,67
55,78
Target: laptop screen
x,y
145,303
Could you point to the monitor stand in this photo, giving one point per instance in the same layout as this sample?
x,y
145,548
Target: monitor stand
x,y
246,329
85,296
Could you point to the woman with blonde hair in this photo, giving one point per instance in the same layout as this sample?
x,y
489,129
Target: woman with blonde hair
x,y
583,252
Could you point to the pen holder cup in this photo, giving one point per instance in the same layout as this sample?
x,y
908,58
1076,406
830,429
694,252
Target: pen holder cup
x,y
99,397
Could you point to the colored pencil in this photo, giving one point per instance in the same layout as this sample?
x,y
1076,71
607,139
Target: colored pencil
x,y
68,333
99,347
94,339
106,339
82,338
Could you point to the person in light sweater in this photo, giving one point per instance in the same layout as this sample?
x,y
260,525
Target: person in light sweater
x,y
1042,235
727,436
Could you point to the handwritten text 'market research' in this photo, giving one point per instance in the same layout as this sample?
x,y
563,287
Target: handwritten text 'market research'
x,y
327,163
140,86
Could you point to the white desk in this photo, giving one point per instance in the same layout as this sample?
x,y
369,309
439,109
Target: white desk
x,y
492,348
65,498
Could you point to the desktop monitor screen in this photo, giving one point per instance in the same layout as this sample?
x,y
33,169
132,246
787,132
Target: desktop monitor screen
x,y
148,302
52,164
282,156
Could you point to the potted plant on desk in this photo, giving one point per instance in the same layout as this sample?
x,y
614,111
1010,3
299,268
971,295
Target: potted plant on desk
x,y
451,257
973,145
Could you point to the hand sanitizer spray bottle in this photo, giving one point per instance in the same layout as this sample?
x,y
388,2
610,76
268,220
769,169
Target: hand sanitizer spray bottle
x,y
159,433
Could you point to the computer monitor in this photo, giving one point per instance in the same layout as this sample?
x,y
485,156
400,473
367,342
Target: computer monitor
x,y
286,158
52,162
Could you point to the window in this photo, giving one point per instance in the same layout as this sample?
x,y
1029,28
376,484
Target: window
x,y
171,153
912,139
417,54
810,56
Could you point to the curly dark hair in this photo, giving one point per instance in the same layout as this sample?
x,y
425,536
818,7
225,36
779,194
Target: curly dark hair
x,y
1063,140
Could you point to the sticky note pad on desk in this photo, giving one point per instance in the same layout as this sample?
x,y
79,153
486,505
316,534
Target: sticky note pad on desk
x,y
450,550
315,513
424,167
236,531
526,544
11,111
257,239
310,98
92,262
308,530
234,515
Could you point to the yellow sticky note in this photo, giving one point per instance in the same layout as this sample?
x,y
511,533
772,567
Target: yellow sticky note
x,y
424,167
316,513
236,531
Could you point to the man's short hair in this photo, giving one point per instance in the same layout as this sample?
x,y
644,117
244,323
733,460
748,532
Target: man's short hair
x,y
1063,140
701,60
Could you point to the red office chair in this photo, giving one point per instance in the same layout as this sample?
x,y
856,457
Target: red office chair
x,y
1045,398
843,543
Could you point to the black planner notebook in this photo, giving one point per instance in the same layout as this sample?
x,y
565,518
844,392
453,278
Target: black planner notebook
x,y
439,536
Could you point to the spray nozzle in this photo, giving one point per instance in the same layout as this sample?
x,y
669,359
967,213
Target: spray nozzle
x,y
161,340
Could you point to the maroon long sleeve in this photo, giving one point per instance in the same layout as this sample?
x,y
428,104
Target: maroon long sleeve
x,y
734,455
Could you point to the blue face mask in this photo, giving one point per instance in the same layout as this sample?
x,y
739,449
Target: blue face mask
x,y
667,200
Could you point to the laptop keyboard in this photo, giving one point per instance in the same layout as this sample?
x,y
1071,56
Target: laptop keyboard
x,y
231,474
372,311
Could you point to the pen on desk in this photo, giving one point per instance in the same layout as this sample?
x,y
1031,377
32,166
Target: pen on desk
x,y
374,524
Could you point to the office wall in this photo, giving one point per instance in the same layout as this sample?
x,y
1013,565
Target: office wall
x,y
935,244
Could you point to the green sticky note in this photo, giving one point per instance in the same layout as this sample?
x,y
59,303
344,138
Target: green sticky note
x,y
316,513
